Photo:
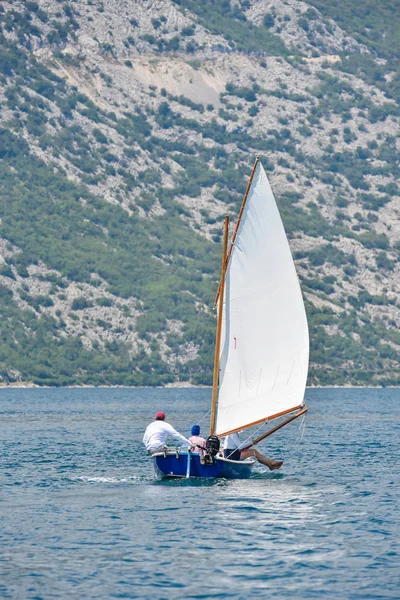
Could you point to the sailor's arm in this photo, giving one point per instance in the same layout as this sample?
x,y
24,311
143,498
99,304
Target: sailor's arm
x,y
145,437
175,434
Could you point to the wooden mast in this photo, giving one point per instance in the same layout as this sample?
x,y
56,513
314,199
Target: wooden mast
x,y
219,327
238,223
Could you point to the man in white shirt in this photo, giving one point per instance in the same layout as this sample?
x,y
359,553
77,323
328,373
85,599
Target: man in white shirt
x,y
235,449
232,448
157,433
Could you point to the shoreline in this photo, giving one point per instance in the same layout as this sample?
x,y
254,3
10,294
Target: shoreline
x,y
177,385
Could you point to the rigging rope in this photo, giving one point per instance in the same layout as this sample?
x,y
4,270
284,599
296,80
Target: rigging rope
x,y
206,415
302,429
249,439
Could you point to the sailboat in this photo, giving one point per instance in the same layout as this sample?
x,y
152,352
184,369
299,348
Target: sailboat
x,y
262,341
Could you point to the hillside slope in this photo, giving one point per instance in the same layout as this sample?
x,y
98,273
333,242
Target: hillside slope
x,y
128,130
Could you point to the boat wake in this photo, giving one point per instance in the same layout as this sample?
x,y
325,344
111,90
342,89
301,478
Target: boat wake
x,y
103,479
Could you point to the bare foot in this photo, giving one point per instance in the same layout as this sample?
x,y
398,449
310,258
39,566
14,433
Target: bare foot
x,y
275,464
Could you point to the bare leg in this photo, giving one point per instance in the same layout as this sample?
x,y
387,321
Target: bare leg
x,y
268,462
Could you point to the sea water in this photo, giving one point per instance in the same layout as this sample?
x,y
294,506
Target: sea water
x,y
82,515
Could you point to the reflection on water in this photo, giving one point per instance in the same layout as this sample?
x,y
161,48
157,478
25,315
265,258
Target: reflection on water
x,y
83,517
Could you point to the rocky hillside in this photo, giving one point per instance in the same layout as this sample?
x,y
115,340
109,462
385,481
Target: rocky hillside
x,y
128,129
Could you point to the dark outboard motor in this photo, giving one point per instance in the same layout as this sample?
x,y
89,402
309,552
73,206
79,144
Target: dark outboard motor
x,y
212,449
212,445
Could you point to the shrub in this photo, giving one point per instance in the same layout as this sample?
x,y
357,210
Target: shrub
x,y
269,20
99,136
188,31
172,44
104,301
383,262
374,240
38,301
147,37
81,303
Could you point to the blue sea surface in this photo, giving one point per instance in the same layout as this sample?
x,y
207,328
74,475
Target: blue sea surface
x,y
82,516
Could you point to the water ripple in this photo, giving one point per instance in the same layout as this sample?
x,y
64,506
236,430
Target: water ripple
x,y
83,517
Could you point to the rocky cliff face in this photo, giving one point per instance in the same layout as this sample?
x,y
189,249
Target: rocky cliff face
x,y
128,132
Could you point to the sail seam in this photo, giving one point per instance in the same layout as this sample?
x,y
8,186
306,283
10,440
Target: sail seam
x,y
291,371
276,377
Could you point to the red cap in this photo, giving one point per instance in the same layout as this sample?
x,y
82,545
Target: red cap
x,y
160,416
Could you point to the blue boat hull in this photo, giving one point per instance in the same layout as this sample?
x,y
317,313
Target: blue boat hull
x,y
175,464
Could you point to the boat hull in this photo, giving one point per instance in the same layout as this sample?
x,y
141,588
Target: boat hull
x,y
175,464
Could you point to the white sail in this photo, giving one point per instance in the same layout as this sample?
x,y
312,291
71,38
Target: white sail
x,y
265,345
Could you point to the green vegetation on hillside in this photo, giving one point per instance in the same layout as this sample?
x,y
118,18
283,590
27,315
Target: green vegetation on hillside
x,y
377,27
228,20
49,222
171,155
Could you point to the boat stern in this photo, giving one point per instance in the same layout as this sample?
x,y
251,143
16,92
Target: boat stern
x,y
190,464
